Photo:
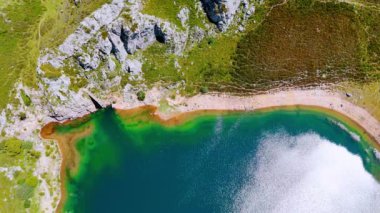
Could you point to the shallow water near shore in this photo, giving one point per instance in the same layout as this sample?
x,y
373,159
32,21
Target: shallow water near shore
x,y
277,161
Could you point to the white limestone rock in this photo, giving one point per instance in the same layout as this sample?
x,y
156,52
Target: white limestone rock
x,y
132,66
183,16
89,62
90,26
139,36
104,45
111,64
117,46
166,33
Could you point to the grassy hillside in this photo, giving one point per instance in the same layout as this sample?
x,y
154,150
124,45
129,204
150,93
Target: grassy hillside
x,y
305,43
17,27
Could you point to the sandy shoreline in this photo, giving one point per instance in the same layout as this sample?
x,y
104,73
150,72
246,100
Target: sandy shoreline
x,y
329,100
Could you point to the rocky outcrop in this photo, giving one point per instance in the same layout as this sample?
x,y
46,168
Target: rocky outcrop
x,y
138,36
222,12
89,62
121,32
132,66
90,26
118,48
110,31
107,39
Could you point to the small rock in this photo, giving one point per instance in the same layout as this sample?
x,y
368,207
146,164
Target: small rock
x,y
183,16
111,64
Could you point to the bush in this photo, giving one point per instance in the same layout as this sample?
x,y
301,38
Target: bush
x,y
140,95
13,146
22,116
27,204
32,181
204,90
35,154
211,41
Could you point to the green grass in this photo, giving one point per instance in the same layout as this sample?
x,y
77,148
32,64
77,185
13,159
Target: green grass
x,y
370,23
50,71
207,64
159,66
4,3
18,194
365,95
168,10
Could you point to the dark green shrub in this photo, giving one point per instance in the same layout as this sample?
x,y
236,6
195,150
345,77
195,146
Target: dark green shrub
x,y
27,204
140,95
211,41
22,116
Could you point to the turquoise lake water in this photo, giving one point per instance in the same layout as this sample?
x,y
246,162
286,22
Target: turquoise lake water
x,y
279,161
